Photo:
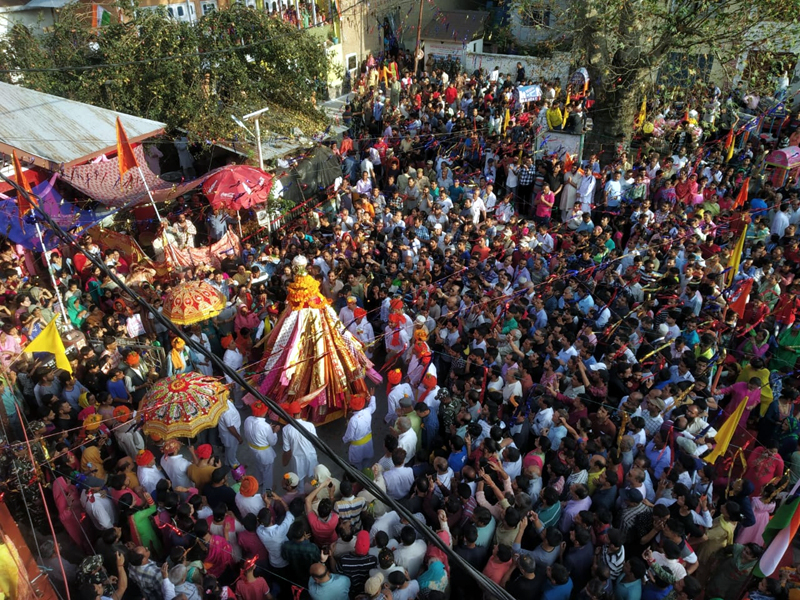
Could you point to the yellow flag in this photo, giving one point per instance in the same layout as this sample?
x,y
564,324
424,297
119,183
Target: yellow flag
x,y
725,433
49,340
639,121
506,119
736,257
730,145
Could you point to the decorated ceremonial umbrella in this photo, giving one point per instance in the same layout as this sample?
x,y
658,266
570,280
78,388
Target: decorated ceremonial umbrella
x,y
183,405
237,186
193,302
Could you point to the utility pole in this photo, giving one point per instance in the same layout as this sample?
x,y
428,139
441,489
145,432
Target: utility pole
x,y
418,49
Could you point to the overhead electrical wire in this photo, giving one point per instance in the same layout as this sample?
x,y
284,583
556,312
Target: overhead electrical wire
x,y
489,586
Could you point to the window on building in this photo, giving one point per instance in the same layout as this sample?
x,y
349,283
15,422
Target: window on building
x,y
681,67
208,7
535,18
352,62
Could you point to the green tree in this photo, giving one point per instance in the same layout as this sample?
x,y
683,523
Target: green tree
x,y
623,43
190,76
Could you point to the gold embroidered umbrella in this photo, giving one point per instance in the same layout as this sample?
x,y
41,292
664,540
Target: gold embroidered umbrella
x,y
183,405
193,302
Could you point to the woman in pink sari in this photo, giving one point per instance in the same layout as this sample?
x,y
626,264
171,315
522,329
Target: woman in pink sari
x,y
219,554
763,465
70,511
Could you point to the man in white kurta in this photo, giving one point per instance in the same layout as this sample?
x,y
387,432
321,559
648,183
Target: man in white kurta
x,y
396,340
128,436
234,359
347,314
262,438
362,329
175,465
397,392
296,448
229,427
428,391
586,192
246,501
101,509
147,472
407,437
359,432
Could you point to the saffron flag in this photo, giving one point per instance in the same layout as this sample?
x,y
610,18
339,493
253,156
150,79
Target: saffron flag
x,y
506,119
741,198
736,257
568,162
725,433
49,340
23,204
739,301
779,533
730,145
100,16
639,121
125,155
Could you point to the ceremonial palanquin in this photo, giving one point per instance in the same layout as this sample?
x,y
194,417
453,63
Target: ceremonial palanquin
x,y
310,356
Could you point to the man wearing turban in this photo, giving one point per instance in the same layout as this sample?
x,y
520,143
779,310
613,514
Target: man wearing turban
x,y
248,500
396,391
362,329
359,431
147,472
262,437
296,448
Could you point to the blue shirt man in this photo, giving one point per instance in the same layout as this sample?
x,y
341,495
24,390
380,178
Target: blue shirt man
x,y
217,224
324,585
659,454
430,424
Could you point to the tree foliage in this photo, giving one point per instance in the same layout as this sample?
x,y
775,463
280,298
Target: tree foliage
x,y
623,43
192,76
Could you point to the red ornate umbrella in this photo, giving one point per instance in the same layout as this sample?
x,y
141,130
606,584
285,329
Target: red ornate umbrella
x,y
193,302
183,405
237,186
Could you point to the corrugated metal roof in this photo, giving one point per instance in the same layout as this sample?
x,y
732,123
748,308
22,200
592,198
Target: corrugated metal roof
x,y
47,4
55,131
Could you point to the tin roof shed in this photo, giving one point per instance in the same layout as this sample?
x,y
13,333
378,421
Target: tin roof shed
x,y
52,132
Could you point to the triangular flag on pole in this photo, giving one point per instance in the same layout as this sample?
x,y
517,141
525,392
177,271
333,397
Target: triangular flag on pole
x,y
639,121
741,198
778,534
49,340
725,433
736,257
730,145
23,204
125,155
739,301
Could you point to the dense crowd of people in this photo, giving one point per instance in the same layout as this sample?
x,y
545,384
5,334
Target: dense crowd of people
x,y
561,341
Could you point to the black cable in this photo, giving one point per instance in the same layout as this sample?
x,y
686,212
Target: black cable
x,y
489,586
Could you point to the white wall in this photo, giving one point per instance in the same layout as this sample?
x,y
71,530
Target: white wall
x,y
559,65
35,20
